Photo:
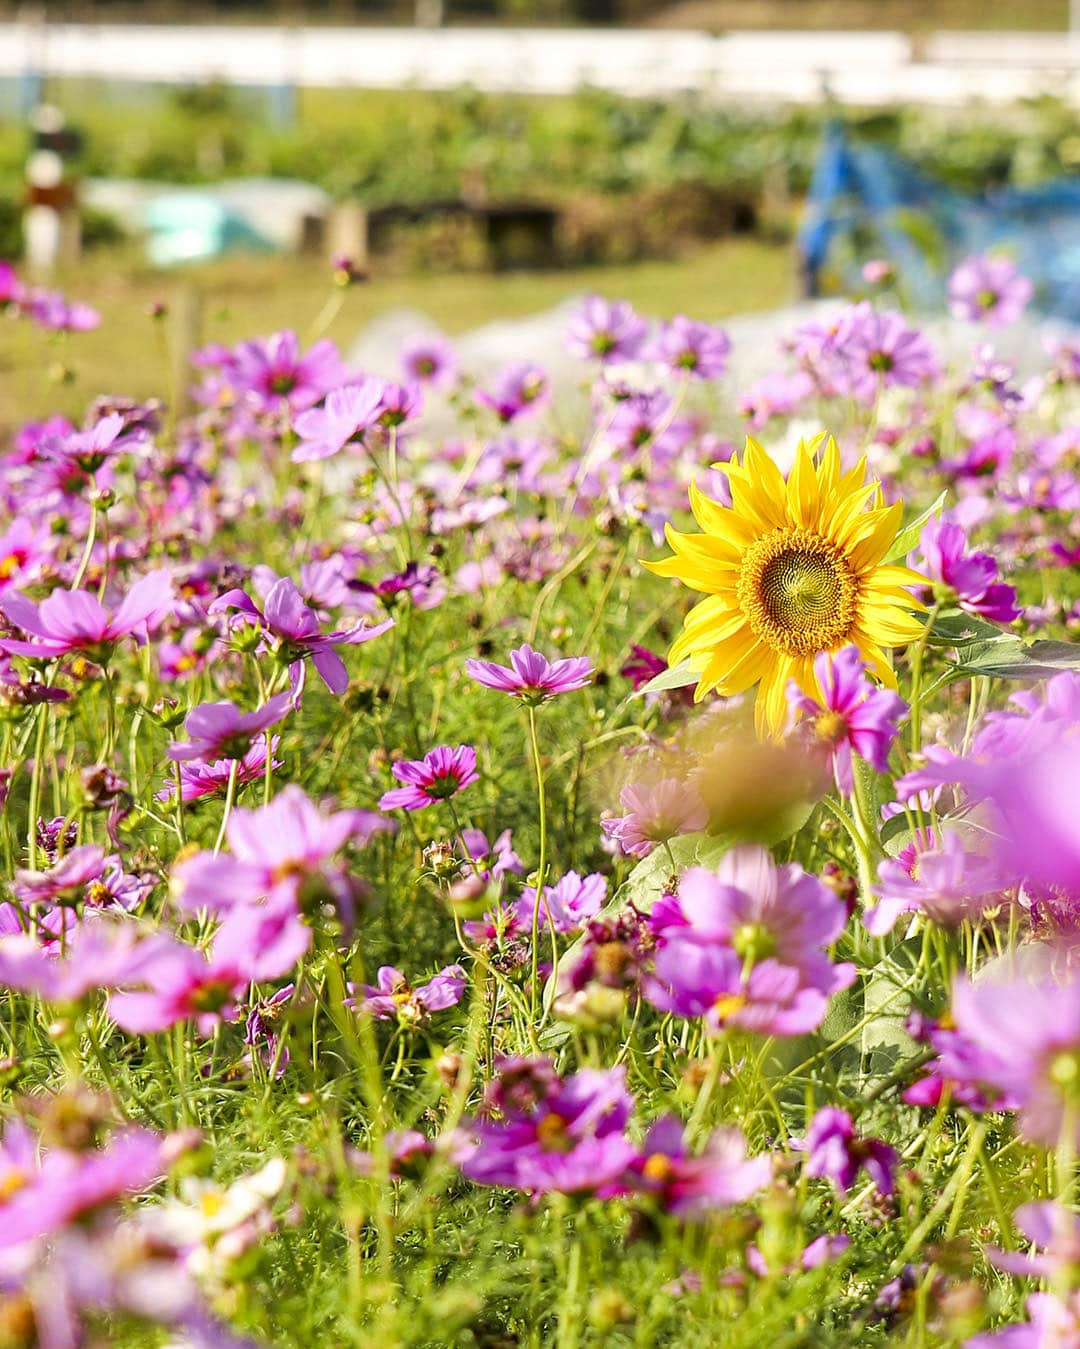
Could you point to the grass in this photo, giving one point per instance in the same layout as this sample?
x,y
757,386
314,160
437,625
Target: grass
x,y
245,296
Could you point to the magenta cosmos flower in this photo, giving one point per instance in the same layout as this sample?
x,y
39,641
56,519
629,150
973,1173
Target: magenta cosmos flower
x,y
720,1176
606,331
293,633
835,1151
532,677
392,998
255,942
852,715
274,850
743,946
569,1137
988,290
440,774
222,731
72,620
208,779
272,374
967,579
686,345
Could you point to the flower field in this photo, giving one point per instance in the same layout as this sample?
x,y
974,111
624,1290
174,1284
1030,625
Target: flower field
x,y
495,862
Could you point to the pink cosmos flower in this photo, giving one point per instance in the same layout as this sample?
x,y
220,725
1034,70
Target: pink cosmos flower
x,y
682,1184
393,998
519,388
852,716
50,309
429,360
742,945
686,345
293,633
347,414
272,374
72,620
654,813
568,1137
222,731
46,1194
199,779
64,881
967,579
275,849
939,878
532,677
24,546
441,773
834,1150
606,331
566,906
1053,1324
879,350
988,290
1032,1058
255,942
105,953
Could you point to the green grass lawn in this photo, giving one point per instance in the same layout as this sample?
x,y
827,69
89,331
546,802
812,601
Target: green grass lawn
x,y
241,297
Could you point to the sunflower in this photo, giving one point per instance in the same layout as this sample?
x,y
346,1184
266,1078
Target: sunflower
x,y
790,569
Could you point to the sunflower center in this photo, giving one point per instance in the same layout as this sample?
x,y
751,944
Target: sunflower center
x,y
798,592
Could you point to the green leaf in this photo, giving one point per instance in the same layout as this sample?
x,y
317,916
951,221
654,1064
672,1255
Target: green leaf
x,y
954,628
675,677
1007,657
885,1041
908,537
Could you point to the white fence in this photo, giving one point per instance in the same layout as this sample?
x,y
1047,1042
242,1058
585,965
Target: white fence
x,y
866,68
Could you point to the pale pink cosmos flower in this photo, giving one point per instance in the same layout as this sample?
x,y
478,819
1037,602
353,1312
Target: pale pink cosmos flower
x,y
274,850
654,813
72,620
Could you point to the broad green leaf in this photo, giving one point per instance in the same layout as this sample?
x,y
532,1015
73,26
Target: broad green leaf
x,y
908,538
954,628
884,1039
676,677
1009,658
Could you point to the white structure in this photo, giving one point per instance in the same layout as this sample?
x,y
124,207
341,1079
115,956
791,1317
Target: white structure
x,y
866,68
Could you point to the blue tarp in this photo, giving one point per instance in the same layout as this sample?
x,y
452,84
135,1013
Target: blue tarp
x,y
868,202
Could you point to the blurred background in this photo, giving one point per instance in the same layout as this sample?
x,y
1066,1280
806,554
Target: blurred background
x,y
202,173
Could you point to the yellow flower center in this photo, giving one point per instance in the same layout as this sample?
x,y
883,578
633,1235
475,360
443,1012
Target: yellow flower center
x,y
798,592
830,727
727,1004
658,1167
551,1133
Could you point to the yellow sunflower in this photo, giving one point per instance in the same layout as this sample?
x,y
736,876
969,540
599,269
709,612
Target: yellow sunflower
x,y
791,569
